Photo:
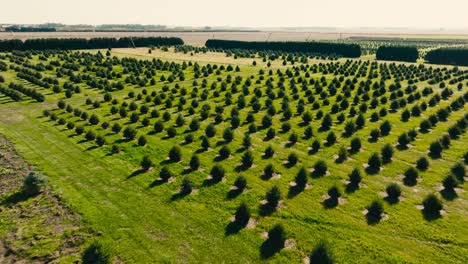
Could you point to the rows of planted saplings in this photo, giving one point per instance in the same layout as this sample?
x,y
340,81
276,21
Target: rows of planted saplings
x,y
165,106
103,73
294,108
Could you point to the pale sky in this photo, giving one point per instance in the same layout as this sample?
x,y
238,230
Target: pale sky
x,y
242,13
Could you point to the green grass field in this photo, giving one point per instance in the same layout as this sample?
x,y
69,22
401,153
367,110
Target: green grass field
x,y
146,221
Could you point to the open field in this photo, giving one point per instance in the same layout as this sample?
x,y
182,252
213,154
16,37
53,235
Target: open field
x,y
207,105
199,38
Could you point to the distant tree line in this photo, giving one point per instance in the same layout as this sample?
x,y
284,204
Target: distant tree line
x,y
30,29
397,53
451,56
81,43
345,50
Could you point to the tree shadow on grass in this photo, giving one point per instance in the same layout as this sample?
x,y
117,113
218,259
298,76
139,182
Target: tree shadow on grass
x,y
234,228
449,195
270,248
266,209
15,198
373,219
210,182
92,148
233,193
430,216
179,195
351,187
392,200
330,203
156,183
372,170
295,190
136,173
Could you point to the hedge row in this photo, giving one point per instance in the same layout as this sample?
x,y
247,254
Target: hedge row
x,y
397,53
345,50
451,56
81,43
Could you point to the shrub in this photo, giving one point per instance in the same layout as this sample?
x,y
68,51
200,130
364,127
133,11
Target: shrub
x,y
247,141
158,126
375,134
422,163
217,172
355,145
228,135
273,196
277,237
432,206
240,183
165,174
301,178
210,130
187,186
375,162
194,124
385,128
97,253
342,154
355,176
459,171
247,159
34,183
146,163
292,159
450,183
403,140
334,192
90,135
100,140
315,146
129,133
411,176
375,211
268,171
321,254
393,191
320,168
327,122
331,138
194,163
435,149
224,152
175,154
205,144
269,152
142,141
242,215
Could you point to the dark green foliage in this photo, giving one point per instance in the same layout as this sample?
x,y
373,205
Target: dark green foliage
x,y
334,192
269,152
355,176
175,154
422,163
375,162
242,215
146,163
142,141
165,174
355,145
435,149
374,212
240,183
393,192
411,176
129,133
34,183
97,253
247,159
187,186
210,130
459,171
320,168
452,56
224,152
273,196
321,254
395,53
345,50
432,206
450,183
292,159
100,140
194,162
217,172
301,178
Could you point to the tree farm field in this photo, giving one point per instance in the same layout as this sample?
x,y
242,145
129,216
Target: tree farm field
x,y
173,158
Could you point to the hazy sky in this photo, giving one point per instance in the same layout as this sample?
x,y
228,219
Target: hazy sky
x,y
254,13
